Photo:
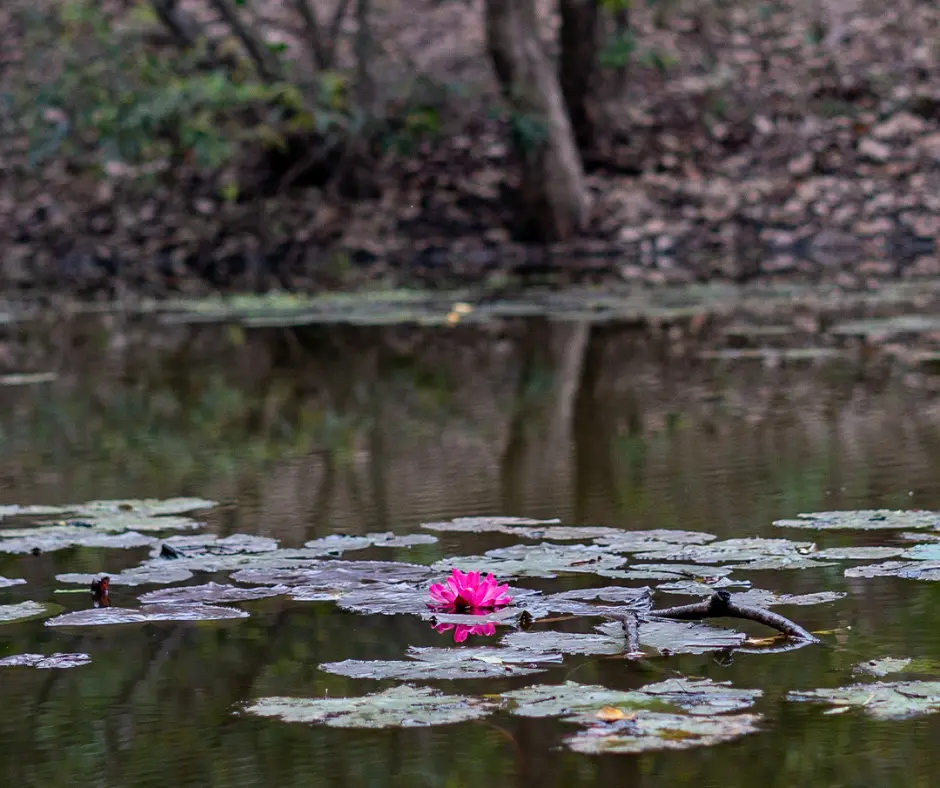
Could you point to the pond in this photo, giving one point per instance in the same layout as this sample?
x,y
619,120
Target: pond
x,y
301,433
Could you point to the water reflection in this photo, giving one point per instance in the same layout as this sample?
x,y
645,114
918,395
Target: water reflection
x,y
310,431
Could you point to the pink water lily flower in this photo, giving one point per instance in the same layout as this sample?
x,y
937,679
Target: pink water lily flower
x,y
461,631
461,591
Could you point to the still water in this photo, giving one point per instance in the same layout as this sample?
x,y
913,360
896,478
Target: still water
x,y
303,432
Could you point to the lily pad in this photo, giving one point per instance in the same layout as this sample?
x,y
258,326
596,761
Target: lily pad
x,y
653,731
570,699
48,539
477,525
864,520
339,543
738,550
144,507
882,667
540,560
210,593
44,662
677,637
333,575
565,642
860,553
923,552
694,588
101,616
117,522
448,663
162,574
778,562
211,544
6,582
702,696
909,570
398,707
759,597
657,539
882,700
21,612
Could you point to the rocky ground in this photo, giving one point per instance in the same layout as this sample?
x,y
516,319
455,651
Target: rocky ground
x,y
781,141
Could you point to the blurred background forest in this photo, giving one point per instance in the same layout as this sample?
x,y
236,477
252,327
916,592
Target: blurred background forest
x,y
190,144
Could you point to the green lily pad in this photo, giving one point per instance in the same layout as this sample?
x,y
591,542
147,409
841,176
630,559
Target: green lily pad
x,y
738,550
882,667
145,507
103,616
116,522
570,699
657,539
884,328
15,510
6,582
909,570
565,642
429,664
163,574
653,731
864,520
759,597
210,544
339,543
48,539
478,525
882,700
210,593
778,562
677,637
694,588
332,575
22,612
44,662
860,553
923,552
540,560
398,707
702,696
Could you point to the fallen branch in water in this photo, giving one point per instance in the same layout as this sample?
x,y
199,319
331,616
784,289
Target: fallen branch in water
x,y
720,605
631,629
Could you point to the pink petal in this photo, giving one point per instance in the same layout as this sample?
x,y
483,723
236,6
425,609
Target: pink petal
x,y
460,633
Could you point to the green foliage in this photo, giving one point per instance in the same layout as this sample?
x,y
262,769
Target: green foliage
x,y
115,99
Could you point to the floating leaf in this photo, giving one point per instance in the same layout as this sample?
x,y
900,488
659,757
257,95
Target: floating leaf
x,y
922,552
864,520
658,539
860,553
707,588
541,560
702,696
210,544
22,611
651,731
332,575
447,663
476,525
338,543
569,699
882,667
910,570
101,616
44,662
161,574
611,714
677,637
778,562
48,539
737,550
398,707
758,597
27,379
387,600
6,582
212,593
565,642
883,700
144,507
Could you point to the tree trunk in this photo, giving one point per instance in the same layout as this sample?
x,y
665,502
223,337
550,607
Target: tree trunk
x,y
578,58
554,200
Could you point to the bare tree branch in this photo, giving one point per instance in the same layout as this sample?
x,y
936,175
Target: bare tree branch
x,y
324,49
261,56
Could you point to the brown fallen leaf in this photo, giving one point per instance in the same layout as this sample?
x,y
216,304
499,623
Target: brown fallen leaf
x,y
612,714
